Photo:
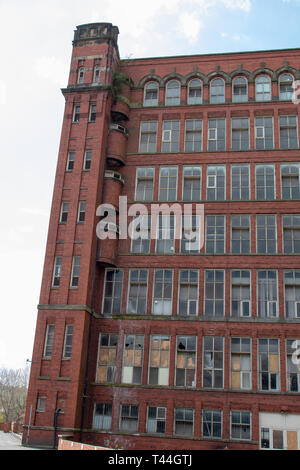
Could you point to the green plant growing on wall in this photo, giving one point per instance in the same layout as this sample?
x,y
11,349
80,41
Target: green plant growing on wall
x,y
119,79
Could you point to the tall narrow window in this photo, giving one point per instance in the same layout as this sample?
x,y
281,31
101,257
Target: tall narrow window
x,y
240,183
75,271
76,113
69,331
107,358
168,183
49,340
265,182
193,135
80,79
162,294
159,360
137,292
113,291
241,363
165,243
291,234
191,183
293,367
292,294
87,160
217,91
133,359
156,420
288,132
239,90
64,213
170,136
264,139
266,238
129,418
151,94
214,293
81,212
213,362
188,293
184,422
92,116
102,416
290,181
286,86
263,88
215,188
212,424
186,348
240,135
57,271
96,76
148,137
240,425
240,294
191,234
70,161
268,351
215,234
173,93
240,234
194,91
144,184
140,243
216,135
267,296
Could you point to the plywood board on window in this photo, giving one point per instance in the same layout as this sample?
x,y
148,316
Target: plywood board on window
x,y
236,363
180,361
103,357
235,380
292,440
164,358
274,363
101,374
154,359
112,356
128,357
138,357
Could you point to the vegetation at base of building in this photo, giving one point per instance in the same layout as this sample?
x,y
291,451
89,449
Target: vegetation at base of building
x,y
13,394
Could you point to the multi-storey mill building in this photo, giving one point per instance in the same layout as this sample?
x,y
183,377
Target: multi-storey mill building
x,y
145,344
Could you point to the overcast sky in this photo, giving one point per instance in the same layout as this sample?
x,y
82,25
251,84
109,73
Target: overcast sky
x,y
36,43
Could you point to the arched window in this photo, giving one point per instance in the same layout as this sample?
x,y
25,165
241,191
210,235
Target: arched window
x,y
151,94
195,91
217,91
286,86
80,75
263,88
173,93
96,77
239,90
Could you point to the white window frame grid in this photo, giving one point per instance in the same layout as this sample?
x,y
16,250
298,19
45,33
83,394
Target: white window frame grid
x,y
267,228
75,270
67,355
265,176
187,353
239,166
231,423
294,284
175,100
211,437
133,365
129,417
264,132
174,425
193,131
107,365
49,337
241,284
154,102
214,300
241,228
264,92
88,153
165,234
161,339
103,416
162,299
148,132
197,100
57,274
192,178
170,136
287,354
188,284
76,113
80,77
215,98
213,369
157,419
234,96
240,130
269,302
259,371
288,127
144,178
279,86
287,175
71,159
138,283
81,210
216,238
114,289
241,353
289,227
168,186
215,137
215,187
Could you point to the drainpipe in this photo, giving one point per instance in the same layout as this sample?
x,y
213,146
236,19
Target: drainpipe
x,y
56,413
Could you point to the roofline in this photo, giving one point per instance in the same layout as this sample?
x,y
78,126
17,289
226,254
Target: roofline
x,y
214,54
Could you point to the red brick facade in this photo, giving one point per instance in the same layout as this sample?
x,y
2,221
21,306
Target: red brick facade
x,y
70,383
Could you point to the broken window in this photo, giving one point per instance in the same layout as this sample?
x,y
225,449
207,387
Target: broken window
x,y
188,293
162,294
212,423
293,365
102,416
186,347
268,350
156,420
107,358
159,360
213,362
241,363
133,359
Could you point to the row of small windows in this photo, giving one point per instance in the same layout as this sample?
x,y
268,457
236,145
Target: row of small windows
x,y
244,298
240,187
263,90
216,134
215,349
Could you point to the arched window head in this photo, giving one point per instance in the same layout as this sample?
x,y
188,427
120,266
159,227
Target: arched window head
x,y
151,94
96,77
195,91
217,91
173,93
286,86
263,88
239,90
80,75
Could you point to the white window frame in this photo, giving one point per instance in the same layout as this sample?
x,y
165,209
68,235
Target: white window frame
x,y
242,301
163,298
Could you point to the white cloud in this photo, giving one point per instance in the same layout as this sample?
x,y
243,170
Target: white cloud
x,y
190,26
3,92
52,69
244,5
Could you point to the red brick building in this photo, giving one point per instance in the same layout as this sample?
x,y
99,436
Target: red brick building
x,y
147,344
